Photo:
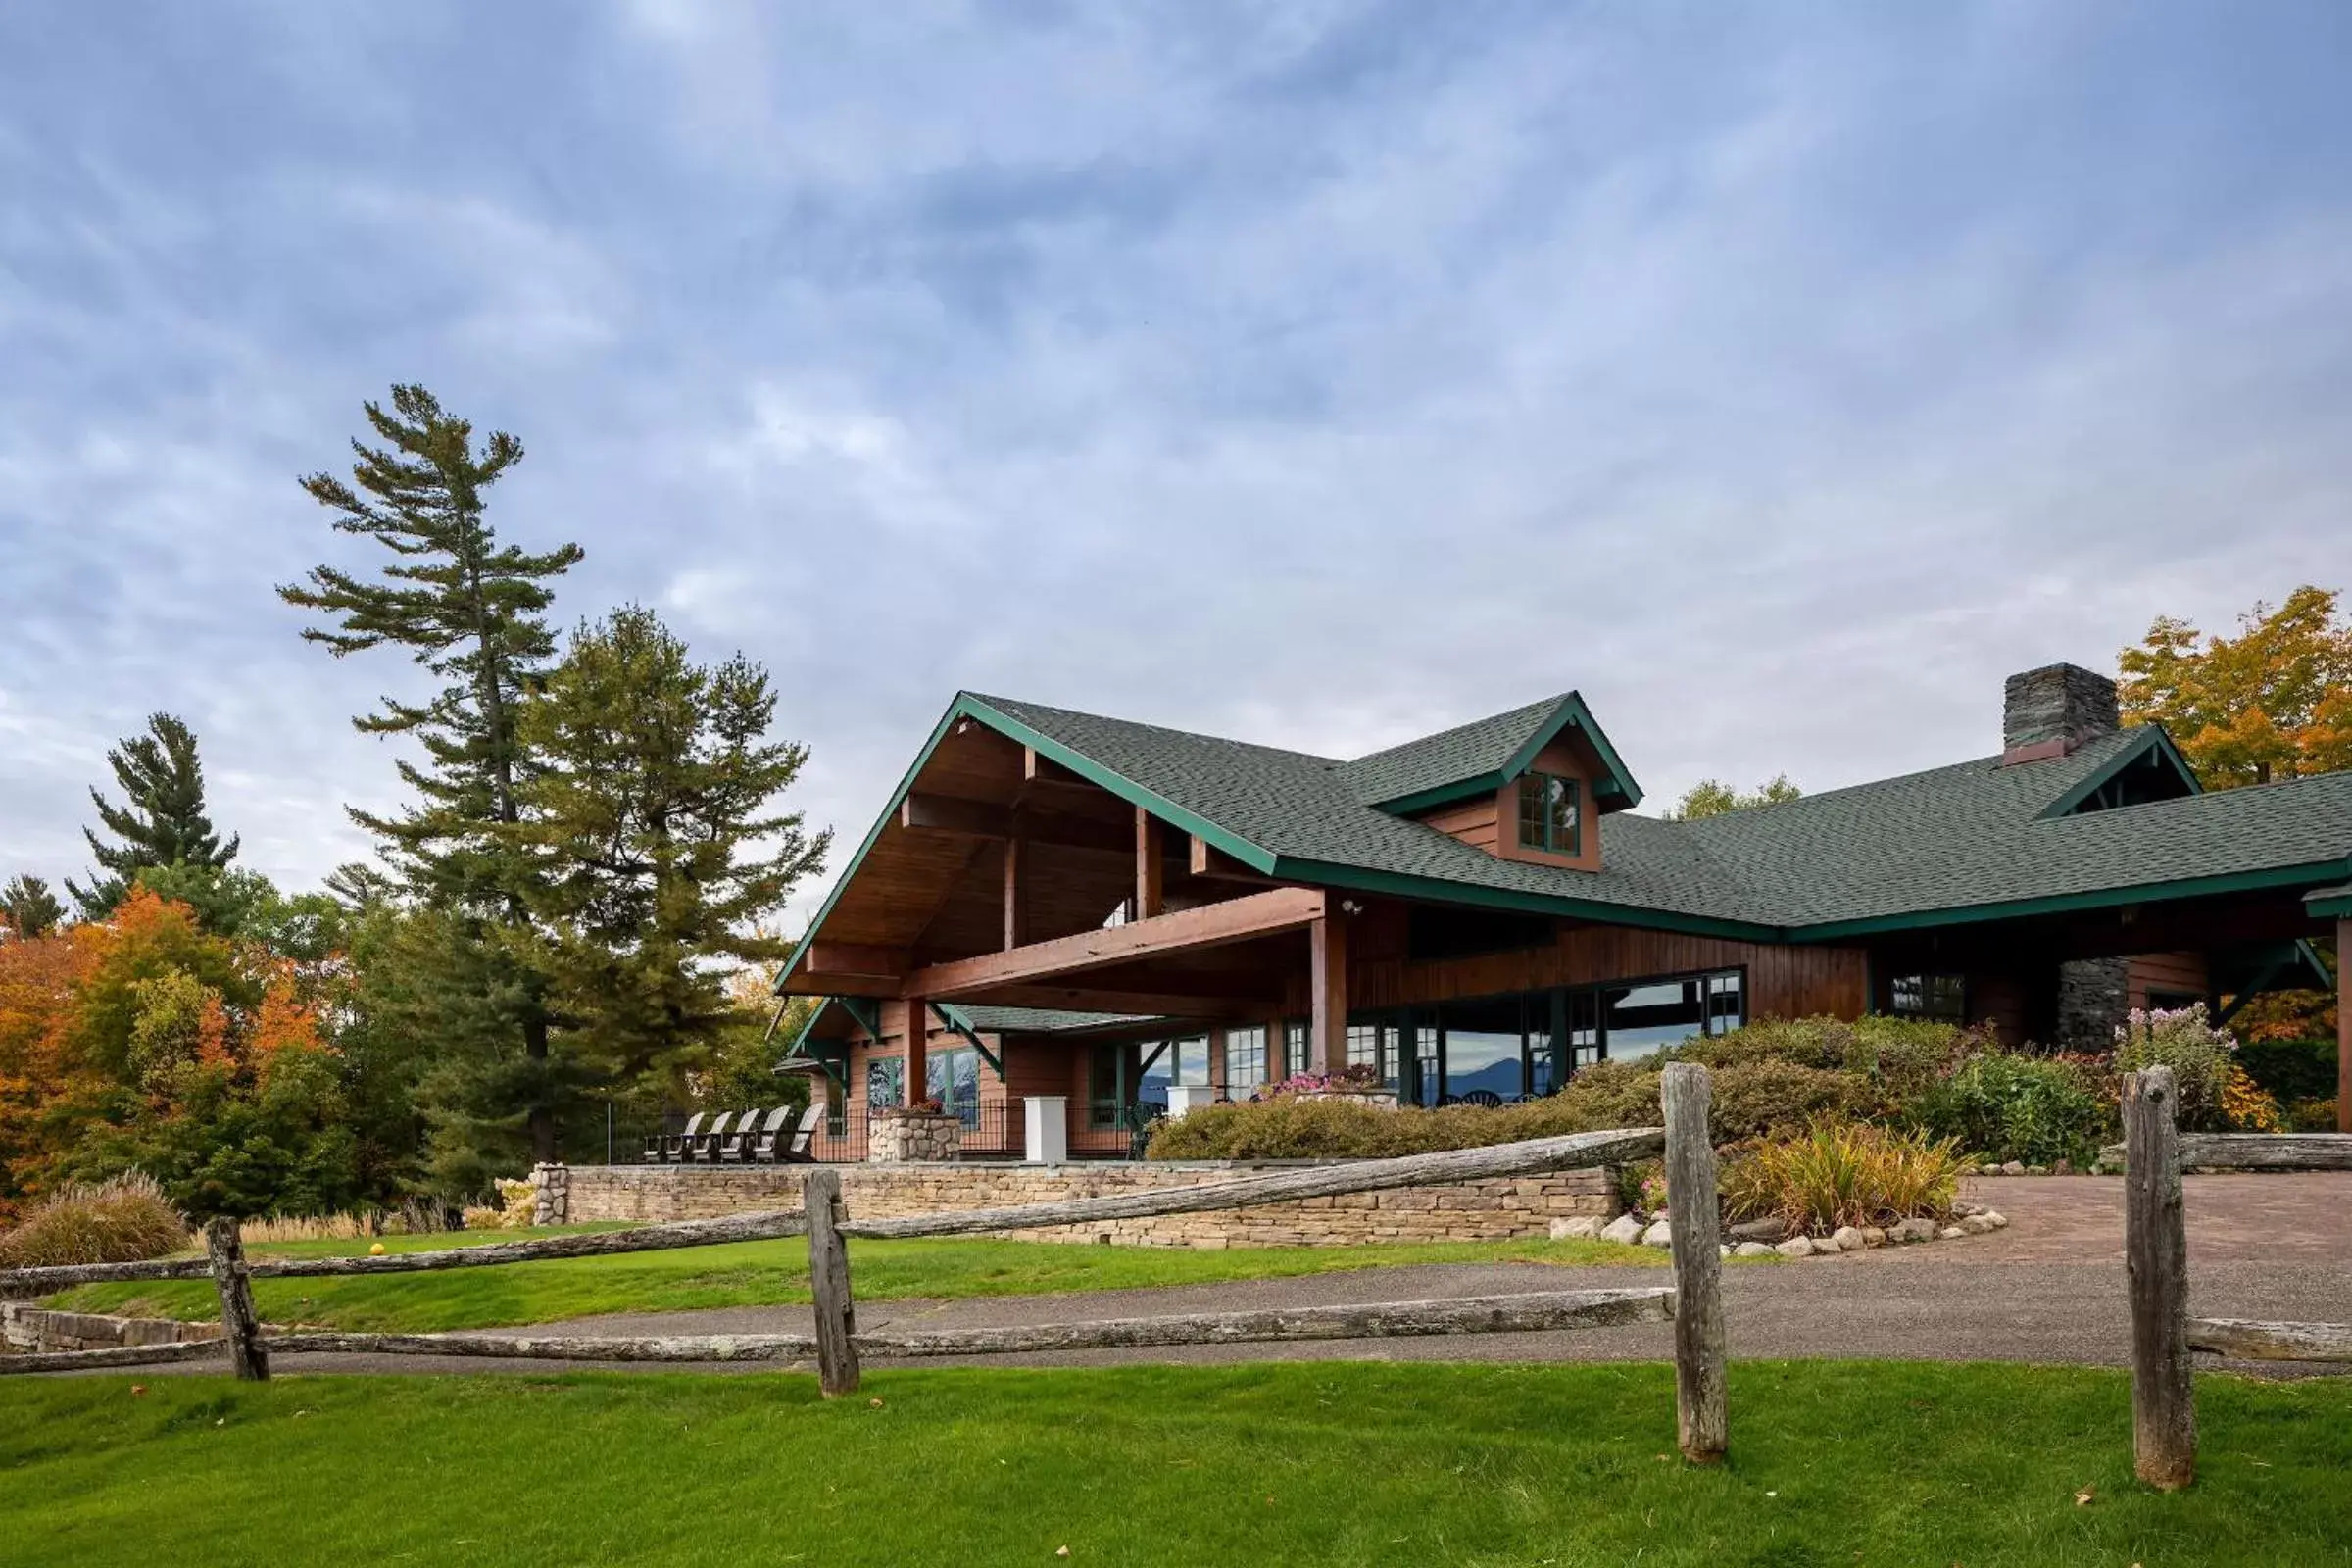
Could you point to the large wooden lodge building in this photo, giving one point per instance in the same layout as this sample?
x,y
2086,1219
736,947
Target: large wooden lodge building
x,y
1057,904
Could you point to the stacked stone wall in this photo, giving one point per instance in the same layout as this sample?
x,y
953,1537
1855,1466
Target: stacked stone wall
x,y
1499,1208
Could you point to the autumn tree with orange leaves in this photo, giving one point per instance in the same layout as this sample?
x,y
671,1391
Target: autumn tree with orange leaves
x,y
2272,702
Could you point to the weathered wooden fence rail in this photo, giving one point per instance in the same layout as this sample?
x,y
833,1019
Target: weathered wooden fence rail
x,y
2163,1409
1693,1302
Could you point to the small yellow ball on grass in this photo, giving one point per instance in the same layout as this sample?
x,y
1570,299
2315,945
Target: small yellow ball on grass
x,y
377,1251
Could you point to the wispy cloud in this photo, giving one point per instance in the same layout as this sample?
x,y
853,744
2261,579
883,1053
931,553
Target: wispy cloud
x,y
1321,373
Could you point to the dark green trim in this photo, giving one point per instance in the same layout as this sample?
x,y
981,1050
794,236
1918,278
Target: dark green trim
x,y
958,1024
1618,787
1325,873
2151,737
2067,903
2329,903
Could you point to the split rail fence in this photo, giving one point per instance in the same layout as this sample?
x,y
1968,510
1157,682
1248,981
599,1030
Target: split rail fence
x,y
2164,1407
1692,1304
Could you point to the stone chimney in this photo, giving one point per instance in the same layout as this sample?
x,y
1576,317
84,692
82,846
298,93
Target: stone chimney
x,y
2048,712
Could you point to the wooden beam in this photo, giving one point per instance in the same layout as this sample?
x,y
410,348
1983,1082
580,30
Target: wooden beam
x,y
854,959
1205,859
2244,1340
1016,893
1139,1004
2164,1400
916,1084
985,819
1327,993
1151,867
1037,768
1211,925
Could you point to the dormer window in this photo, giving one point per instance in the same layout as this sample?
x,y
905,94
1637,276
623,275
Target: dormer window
x,y
1550,818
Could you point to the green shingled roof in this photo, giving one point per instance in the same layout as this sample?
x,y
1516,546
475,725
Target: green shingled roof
x,y
1042,1020
1957,842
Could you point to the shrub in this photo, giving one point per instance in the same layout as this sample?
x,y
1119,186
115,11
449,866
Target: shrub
x,y
2290,1069
2246,1106
1852,1173
1896,1058
2028,1108
2199,1055
2309,1117
122,1220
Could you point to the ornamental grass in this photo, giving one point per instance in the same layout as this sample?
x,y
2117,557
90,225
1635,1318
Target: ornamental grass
x,y
125,1219
1844,1174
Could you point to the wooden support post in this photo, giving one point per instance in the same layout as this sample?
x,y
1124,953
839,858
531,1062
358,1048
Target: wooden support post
x,y
917,1082
2343,1026
225,1249
2164,1408
829,1284
1016,893
1700,1409
1150,868
1327,993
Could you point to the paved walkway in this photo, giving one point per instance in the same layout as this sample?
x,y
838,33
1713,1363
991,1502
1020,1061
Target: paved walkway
x,y
2049,1289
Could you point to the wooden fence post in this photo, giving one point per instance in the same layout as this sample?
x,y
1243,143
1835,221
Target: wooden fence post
x,y
1701,1416
225,1249
830,1284
2164,1403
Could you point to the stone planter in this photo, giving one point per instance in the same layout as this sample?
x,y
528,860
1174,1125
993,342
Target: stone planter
x,y
916,1138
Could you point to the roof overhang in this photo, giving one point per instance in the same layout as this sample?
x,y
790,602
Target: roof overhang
x,y
2273,879
2329,903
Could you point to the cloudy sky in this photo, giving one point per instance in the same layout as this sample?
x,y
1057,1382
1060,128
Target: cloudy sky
x,y
1780,376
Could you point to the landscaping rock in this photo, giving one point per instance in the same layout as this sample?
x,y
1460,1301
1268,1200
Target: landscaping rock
x,y
1752,1250
1975,1224
2064,1167
1998,1221
2016,1167
1773,1229
1872,1236
1964,1207
1951,1233
1580,1228
1796,1247
1624,1229
1660,1234
1914,1229
1848,1238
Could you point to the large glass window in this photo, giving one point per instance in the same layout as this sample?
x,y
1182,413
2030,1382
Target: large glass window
x,y
885,1077
1245,1061
1643,1019
1482,1048
1191,1060
1940,996
955,1082
1548,816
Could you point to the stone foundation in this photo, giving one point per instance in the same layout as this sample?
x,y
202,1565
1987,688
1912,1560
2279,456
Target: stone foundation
x,y
900,1139
2093,1001
1499,1208
25,1326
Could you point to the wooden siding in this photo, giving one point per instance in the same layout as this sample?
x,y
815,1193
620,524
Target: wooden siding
x,y
2175,974
1474,823
1491,822
1786,982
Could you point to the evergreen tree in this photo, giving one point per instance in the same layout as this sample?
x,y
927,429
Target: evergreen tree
x,y
659,846
469,610
29,909
162,820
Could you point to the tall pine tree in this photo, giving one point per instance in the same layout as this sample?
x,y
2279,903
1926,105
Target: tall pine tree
x,y
659,843
28,909
471,611
161,822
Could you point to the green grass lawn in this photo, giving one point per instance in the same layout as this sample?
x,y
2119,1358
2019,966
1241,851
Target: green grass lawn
x,y
767,1273
1832,1464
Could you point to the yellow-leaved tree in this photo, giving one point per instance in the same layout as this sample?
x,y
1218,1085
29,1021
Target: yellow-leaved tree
x,y
2274,702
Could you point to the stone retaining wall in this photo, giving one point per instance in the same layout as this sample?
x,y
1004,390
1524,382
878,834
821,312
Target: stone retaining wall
x,y
1499,1208
25,1326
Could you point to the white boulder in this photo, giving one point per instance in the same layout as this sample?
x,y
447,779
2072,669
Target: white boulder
x,y
1624,1229
1575,1227
1659,1234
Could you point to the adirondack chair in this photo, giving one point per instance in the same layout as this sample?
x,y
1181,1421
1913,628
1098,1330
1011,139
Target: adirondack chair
x,y
704,1150
736,1147
652,1155
797,1150
681,1147
776,1128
